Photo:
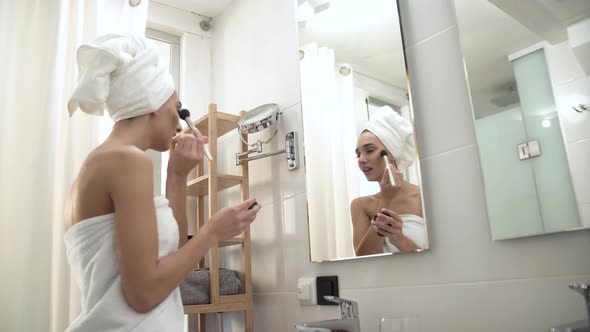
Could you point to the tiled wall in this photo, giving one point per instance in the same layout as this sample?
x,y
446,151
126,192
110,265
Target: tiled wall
x,y
572,87
465,282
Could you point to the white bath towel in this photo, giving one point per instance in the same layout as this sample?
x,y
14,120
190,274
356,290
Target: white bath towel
x,y
396,133
414,228
123,73
90,246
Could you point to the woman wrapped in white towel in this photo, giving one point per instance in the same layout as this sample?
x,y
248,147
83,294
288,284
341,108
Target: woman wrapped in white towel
x,y
129,250
392,219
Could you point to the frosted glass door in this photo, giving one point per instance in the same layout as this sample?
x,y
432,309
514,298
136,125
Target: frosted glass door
x,y
551,171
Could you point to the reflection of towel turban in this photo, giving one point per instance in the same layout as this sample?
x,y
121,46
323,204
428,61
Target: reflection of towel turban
x,y
396,133
122,73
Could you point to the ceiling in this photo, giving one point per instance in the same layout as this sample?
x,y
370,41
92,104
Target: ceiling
x,y
209,8
488,36
547,18
364,34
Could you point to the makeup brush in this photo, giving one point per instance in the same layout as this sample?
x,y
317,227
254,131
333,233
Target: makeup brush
x,y
384,155
185,115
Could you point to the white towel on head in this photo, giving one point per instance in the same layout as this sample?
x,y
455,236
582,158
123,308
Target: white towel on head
x,y
123,73
396,133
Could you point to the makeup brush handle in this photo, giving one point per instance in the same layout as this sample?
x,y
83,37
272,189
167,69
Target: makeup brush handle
x,y
207,153
206,150
391,179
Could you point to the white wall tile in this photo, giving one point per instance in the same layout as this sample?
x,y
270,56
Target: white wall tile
x,y
268,265
575,126
245,74
584,214
579,161
442,108
424,18
510,305
563,64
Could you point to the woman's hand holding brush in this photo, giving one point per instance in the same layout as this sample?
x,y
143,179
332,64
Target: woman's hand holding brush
x,y
185,115
187,153
391,177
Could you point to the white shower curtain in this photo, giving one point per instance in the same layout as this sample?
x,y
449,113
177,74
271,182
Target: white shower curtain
x,y
41,149
329,125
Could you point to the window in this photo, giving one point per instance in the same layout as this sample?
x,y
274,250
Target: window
x,y
170,50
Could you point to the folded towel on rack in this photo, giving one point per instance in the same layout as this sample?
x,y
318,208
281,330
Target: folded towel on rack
x,y
195,288
90,247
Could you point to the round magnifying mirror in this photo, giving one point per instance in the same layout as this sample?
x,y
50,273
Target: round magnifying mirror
x,y
258,118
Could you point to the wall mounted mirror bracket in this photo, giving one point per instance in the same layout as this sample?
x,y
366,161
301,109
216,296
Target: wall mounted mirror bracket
x,y
290,152
258,119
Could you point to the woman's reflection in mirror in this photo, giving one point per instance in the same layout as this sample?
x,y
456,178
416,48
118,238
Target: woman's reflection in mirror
x,y
392,219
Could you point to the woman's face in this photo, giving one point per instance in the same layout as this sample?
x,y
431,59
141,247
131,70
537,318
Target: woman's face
x,y
167,123
368,152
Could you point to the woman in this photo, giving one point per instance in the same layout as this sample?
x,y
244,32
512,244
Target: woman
x,y
128,249
390,220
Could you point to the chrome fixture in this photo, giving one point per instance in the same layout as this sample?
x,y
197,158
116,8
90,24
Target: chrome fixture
x,y
258,119
134,3
349,320
301,54
581,108
528,150
582,325
583,289
345,70
206,24
348,308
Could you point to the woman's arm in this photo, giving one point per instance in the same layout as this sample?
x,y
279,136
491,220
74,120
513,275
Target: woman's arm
x,y
188,152
365,238
176,195
147,280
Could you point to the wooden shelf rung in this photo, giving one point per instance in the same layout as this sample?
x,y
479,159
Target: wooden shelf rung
x,y
227,299
231,242
199,187
210,308
225,123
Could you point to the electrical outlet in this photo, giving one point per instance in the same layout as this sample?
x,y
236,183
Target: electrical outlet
x,y
306,291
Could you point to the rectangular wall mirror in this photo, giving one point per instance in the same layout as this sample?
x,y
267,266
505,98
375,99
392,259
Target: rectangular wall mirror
x,y
530,89
355,101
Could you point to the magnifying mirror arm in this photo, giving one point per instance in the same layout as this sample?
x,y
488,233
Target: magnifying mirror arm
x,y
257,148
290,151
260,156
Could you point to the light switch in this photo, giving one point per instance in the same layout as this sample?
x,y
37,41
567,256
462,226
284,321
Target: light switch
x,y
306,291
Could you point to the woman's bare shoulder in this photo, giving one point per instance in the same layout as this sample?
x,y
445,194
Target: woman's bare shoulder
x,y
120,158
106,164
363,202
120,153
103,170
